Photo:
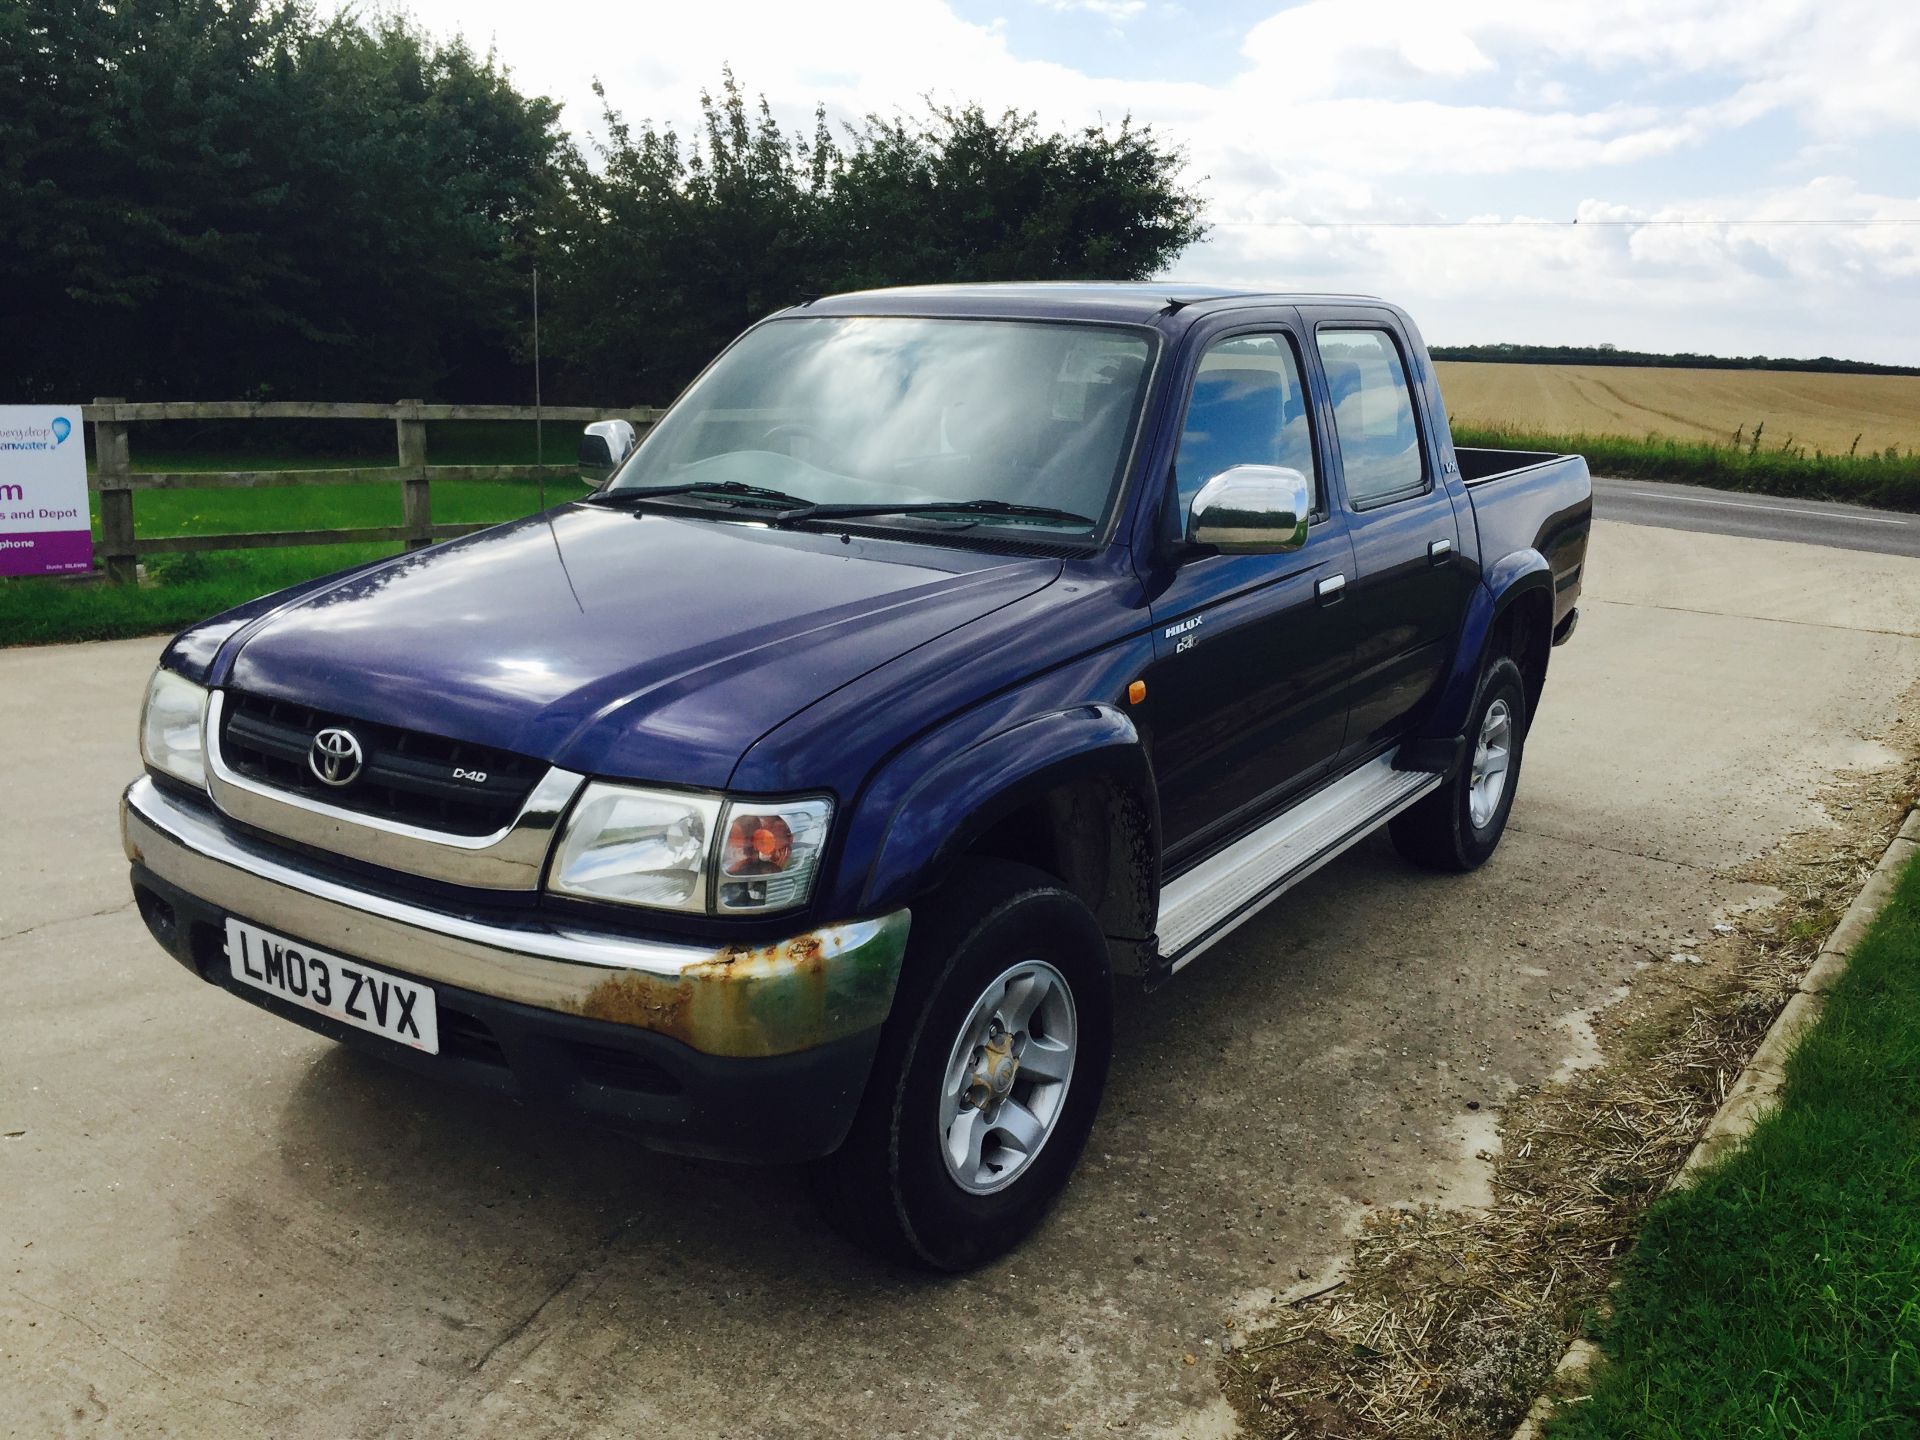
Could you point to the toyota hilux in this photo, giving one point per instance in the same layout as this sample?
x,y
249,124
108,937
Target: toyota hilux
x,y
942,659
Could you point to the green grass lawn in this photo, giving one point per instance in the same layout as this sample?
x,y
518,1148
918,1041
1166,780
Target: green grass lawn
x,y
183,588
1780,1296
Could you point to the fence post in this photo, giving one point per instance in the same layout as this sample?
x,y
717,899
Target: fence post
x,y
111,464
416,503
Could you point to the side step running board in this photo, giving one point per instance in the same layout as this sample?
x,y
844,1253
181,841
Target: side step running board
x,y
1204,904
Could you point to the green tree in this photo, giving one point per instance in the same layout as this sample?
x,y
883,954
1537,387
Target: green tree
x,y
671,248
418,178
228,197
123,206
232,198
958,195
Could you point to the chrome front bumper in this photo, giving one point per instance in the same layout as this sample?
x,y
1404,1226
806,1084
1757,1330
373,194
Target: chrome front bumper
x,y
777,999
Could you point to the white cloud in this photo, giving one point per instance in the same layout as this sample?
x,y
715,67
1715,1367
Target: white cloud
x,y
1350,110
1731,288
884,54
1843,65
1542,91
1115,10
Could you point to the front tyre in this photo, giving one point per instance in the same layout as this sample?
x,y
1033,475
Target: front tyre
x,y
988,1076
1460,824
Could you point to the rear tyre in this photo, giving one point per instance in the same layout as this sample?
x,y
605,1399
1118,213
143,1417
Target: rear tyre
x,y
988,1075
1460,824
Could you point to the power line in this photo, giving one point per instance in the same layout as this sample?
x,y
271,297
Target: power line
x,y
1523,224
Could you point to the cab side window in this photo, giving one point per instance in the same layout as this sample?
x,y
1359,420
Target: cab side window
x,y
1248,407
1372,416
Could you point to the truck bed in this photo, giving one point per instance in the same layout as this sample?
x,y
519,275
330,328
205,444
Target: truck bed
x,y
1478,467
1532,500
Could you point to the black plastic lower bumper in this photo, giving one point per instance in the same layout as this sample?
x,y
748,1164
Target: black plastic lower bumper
x,y
670,1096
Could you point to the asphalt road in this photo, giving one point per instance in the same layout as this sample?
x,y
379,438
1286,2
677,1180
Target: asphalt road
x,y
1760,517
215,1224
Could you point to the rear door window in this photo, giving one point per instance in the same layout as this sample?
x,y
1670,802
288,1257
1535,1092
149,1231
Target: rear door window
x,y
1380,452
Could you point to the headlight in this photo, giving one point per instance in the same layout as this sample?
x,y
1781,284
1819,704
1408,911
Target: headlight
x,y
173,728
697,853
640,847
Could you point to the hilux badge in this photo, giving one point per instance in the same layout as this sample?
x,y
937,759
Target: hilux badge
x,y
335,757
1183,634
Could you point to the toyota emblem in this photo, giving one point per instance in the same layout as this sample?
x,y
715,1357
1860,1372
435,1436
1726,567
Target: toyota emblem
x,y
335,757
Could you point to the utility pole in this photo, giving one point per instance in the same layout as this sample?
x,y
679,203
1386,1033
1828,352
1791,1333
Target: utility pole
x,y
539,433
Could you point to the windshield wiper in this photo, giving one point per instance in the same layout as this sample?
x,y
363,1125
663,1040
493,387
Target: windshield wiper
x,y
940,507
785,509
699,487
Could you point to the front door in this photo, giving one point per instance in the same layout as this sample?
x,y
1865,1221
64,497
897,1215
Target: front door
x,y
1248,689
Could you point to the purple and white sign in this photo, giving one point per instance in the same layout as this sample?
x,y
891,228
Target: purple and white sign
x,y
43,491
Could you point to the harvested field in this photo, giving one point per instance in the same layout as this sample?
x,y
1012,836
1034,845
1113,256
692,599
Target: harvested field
x,y
1812,410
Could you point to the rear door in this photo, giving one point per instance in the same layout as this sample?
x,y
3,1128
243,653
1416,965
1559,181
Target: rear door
x,y
1251,652
1408,588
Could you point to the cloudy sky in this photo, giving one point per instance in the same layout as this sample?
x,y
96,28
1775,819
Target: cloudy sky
x,y
1401,147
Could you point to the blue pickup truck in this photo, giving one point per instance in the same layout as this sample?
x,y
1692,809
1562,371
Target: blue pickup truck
x,y
803,791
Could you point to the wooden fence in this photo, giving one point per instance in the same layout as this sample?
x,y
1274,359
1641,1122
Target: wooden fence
x,y
117,484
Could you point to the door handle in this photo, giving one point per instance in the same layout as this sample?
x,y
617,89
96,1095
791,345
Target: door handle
x,y
1329,590
1440,551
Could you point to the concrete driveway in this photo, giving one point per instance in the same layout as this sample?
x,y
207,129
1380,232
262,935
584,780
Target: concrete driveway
x,y
216,1224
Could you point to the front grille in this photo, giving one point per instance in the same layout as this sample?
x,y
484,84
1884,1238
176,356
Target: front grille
x,y
405,775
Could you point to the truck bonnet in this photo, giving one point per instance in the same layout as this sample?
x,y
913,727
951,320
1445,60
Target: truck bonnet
x,y
644,646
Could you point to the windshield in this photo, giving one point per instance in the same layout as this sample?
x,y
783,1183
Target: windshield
x,y
1006,418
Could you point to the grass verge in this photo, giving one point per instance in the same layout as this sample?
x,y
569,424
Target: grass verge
x,y
1445,1323
1889,481
180,590
1780,1296
183,588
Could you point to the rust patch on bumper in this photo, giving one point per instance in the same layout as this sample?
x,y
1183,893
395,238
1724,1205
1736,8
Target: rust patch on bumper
x,y
766,1000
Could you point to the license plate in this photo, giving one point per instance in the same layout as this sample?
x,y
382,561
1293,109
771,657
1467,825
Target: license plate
x,y
346,990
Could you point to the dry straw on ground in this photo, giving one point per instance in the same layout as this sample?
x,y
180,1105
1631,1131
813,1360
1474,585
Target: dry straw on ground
x,y
1448,1323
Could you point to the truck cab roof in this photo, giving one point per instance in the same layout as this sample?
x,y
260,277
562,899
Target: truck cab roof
x,y
1131,302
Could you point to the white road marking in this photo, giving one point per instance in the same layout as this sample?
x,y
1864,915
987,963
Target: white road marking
x,y
1777,509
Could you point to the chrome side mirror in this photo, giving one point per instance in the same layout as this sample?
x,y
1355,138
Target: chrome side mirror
x,y
1252,510
603,445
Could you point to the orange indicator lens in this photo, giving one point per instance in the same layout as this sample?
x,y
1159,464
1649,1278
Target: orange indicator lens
x,y
758,845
